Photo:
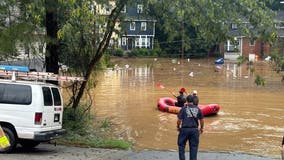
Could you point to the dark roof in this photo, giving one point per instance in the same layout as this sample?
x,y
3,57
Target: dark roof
x,y
281,32
279,16
235,33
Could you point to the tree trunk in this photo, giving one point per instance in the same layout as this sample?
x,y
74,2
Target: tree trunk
x,y
101,49
52,48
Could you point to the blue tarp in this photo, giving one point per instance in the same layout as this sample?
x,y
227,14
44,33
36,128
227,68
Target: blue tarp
x,y
219,61
14,68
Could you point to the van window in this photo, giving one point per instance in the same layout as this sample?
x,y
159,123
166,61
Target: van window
x,y
47,97
15,94
56,96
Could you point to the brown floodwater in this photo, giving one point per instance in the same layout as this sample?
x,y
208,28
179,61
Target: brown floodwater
x,y
251,119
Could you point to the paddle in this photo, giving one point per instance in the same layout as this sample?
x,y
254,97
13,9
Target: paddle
x,y
163,87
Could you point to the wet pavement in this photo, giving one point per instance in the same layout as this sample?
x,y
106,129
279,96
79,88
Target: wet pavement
x,y
59,152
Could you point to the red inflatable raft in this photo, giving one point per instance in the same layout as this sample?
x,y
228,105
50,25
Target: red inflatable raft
x,y
167,104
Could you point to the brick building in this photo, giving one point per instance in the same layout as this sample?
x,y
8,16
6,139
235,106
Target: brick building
x,y
253,49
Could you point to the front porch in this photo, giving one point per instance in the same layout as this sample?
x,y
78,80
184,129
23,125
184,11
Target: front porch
x,y
231,55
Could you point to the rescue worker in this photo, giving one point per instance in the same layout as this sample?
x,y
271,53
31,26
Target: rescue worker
x,y
181,99
189,118
194,92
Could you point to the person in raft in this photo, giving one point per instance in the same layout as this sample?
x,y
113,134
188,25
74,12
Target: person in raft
x,y
189,118
194,92
181,98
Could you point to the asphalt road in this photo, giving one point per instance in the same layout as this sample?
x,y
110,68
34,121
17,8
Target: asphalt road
x,y
48,151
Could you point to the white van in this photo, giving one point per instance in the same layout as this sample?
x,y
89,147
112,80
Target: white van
x,y
30,112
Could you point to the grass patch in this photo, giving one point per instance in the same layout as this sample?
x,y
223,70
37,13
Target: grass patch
x,y
85,130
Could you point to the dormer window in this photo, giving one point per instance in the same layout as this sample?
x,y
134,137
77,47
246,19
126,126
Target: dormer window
x,y
143,26
234,26
252,42
123,9
279,25
139,8
132,26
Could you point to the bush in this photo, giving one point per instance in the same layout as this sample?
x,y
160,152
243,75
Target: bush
x,y
144,52
115,52
278,61
105,62
76,120
260,81
84,130
241,60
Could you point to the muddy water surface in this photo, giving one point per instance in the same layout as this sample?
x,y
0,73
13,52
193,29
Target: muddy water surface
x,y
251,118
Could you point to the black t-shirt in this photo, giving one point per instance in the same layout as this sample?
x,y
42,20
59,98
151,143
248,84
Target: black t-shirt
x,y
189,116
180,100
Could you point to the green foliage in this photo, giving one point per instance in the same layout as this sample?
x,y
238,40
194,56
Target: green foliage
x,y
109,143
76,35
115,52
195,25
76,120
20,26
278,61
77,140
105,62
105,123
81,130
144,52
252,70
260,81
241,60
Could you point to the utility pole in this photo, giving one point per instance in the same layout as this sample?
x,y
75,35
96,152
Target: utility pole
x,y
182,35
182,39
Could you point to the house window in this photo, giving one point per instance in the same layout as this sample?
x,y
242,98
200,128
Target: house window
x,y
232,46
123,43
234,26
143,26
252,42
132,26
137,42
148,42
40,47
27,50
143,42
139,8
123,9
107,8
279,25
92,8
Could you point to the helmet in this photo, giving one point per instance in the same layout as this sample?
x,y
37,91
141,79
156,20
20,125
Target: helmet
x,y
182,90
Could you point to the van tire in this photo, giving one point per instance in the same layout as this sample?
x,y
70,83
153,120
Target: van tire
x,y
12,139
29,143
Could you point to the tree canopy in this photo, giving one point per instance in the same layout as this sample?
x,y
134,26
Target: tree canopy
x,y
81,34
206,23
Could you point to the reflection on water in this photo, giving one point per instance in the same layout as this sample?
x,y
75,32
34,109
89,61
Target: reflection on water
x,y
251,118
